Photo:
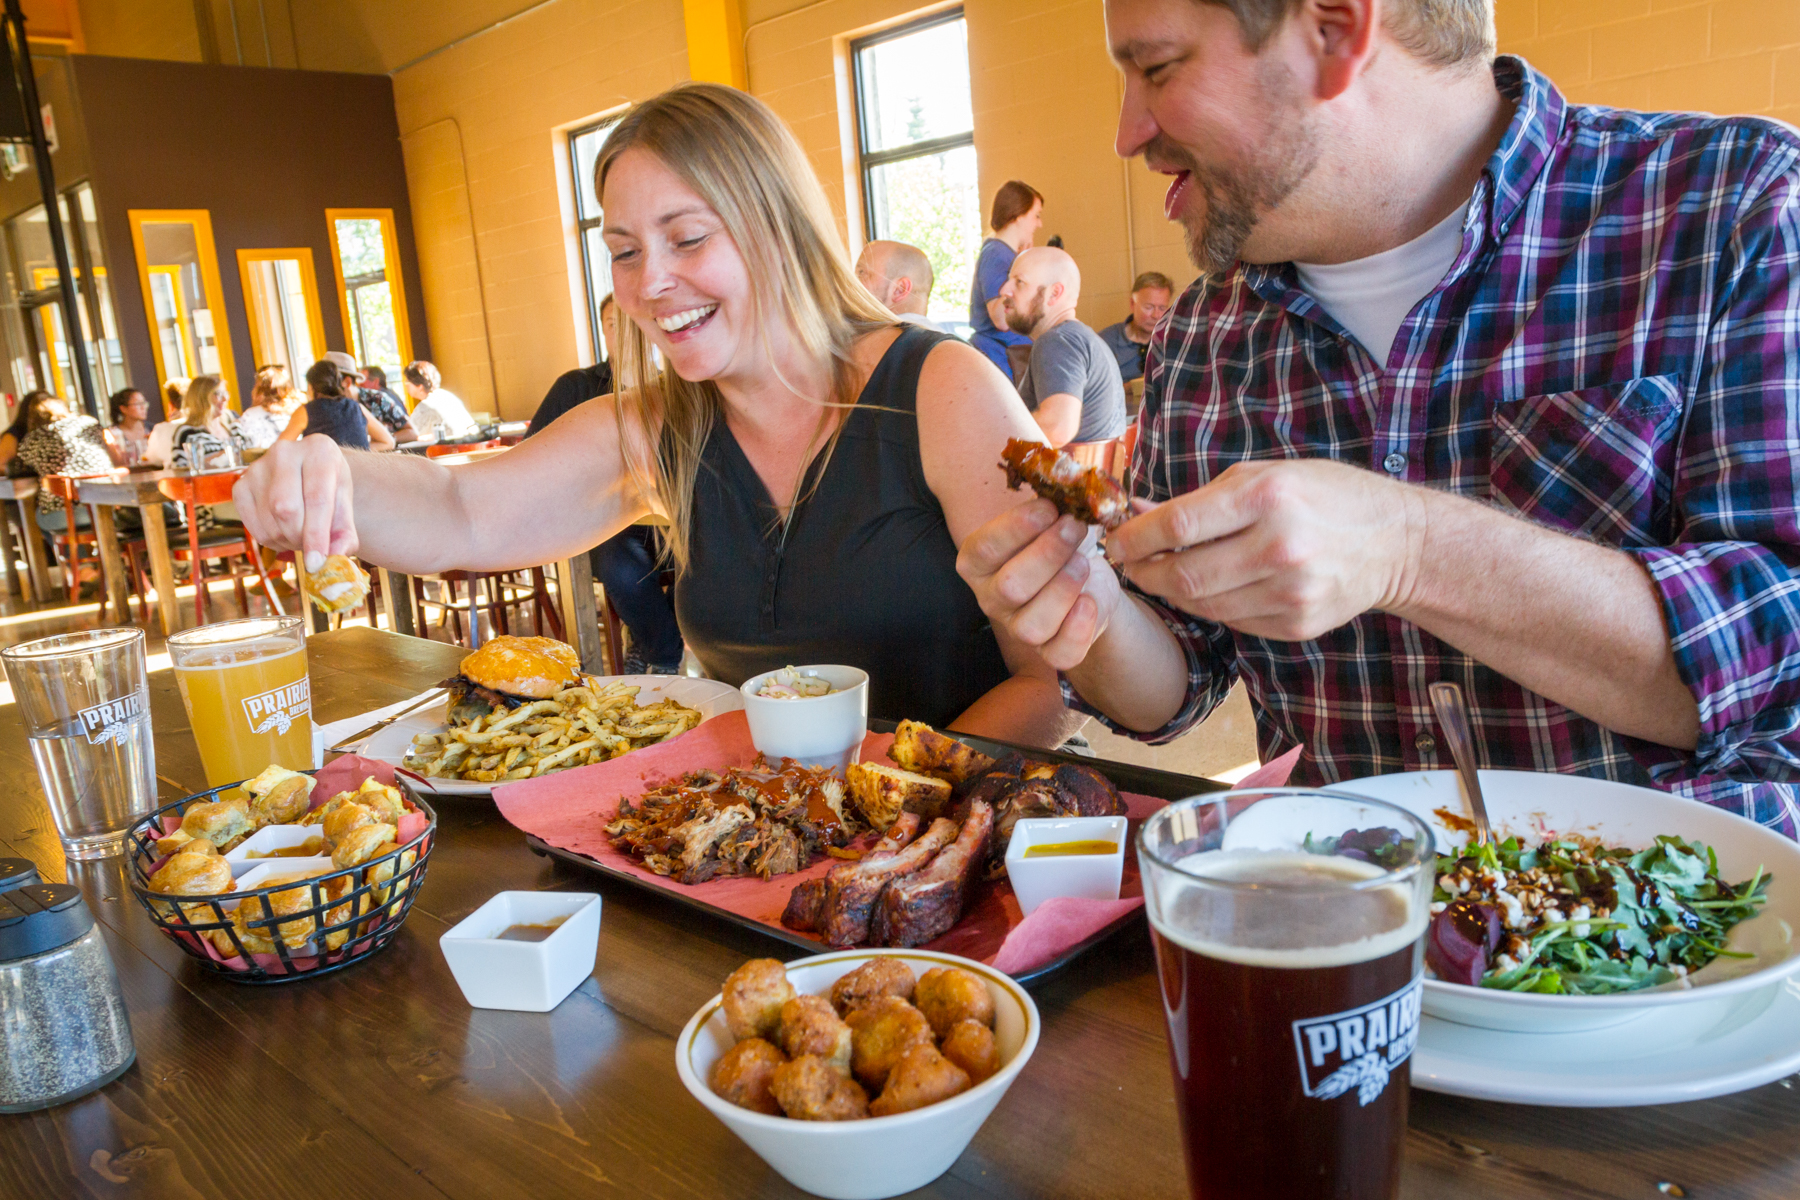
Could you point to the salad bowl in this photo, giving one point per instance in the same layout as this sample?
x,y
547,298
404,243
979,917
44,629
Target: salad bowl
x,y
1535,807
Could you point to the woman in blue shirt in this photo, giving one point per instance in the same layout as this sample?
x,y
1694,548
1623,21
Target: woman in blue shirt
x,y
1017,214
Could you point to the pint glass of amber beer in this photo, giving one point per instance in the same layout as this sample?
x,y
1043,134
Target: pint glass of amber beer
x,y
1289,928
247,695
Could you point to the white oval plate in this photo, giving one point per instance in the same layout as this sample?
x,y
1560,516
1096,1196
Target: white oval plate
x,y
1665,1056
1530,806
390,745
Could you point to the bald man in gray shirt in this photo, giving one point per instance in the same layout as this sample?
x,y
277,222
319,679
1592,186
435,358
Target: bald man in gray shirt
x,y
1072,386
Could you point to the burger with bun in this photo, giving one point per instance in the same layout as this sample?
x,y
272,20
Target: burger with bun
x,y
509,671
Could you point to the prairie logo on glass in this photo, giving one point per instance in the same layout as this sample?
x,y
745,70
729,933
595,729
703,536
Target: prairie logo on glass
x,y
1356,1050
278,708
111,721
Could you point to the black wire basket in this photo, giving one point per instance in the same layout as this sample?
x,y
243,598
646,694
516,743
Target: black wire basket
x,y
345,915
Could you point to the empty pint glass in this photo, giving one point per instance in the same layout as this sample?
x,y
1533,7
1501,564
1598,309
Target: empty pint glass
x,y
1289,928
85,700
247,694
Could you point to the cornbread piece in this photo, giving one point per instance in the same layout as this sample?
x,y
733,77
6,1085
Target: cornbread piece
x,y
881,793
970,1046
743,1073
881,1032
808,1089
920,748
947,995
922,1076
754,994
883,976
278,796
809,1025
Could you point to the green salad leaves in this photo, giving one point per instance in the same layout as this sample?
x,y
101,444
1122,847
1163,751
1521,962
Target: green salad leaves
x,y
1587,919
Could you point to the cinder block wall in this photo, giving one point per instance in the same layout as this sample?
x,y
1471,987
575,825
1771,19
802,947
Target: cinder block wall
x,y
1721,56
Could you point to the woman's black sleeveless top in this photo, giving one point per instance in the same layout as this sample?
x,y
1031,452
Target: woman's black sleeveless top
x,y
341,419
865,574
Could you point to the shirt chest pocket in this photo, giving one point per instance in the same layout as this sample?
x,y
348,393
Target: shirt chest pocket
x,y
1597,463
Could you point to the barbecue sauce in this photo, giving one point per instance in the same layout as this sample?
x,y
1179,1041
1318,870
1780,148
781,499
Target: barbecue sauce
x,y
530,933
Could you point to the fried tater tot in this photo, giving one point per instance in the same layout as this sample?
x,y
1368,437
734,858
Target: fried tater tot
x,y
754,994
883,976
971,1047
809,1089
881,1032
742,1076
810,1026
922,1076
947,995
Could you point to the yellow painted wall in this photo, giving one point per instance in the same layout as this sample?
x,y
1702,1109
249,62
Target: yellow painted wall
x,y
1721,56
480,125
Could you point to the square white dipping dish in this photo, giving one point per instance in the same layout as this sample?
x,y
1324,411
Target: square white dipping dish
x,y
524,976
264,846
1039,878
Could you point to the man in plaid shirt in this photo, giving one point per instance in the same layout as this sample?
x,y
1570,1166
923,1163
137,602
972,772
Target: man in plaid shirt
x,y
1476,385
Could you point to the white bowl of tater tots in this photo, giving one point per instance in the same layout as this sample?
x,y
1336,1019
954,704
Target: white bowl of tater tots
x,y
859,1074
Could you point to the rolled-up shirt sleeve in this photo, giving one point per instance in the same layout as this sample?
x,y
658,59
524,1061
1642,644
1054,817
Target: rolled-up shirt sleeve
x,y
1728,582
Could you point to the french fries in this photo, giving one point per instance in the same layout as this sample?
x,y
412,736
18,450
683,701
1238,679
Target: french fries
x,y
585,723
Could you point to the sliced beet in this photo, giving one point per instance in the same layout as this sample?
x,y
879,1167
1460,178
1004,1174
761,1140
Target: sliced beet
x,y
1461,941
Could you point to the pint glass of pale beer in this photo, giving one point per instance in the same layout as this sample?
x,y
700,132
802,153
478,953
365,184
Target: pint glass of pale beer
x,y
247,695
1289,928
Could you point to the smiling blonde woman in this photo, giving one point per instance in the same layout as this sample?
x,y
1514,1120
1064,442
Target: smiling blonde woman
x,y
819,462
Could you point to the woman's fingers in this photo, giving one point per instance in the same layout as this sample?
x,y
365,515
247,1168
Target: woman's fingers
x,y
297,497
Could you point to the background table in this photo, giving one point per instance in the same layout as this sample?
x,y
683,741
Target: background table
x,y
137,489
381,1081
23,492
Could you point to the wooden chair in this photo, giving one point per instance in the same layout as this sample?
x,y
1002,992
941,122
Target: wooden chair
x,y
225,543
441,451
70,543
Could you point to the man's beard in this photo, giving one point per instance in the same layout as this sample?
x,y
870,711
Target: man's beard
x,y
1239,195
1024,322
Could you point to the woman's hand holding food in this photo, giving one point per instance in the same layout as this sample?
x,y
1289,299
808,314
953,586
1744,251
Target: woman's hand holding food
x,y
1033,578
297,496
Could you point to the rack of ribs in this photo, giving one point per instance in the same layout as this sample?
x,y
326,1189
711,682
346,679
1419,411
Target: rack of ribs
x,y
805,900
852,889
918,907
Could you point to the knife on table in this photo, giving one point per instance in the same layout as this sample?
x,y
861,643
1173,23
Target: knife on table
x,y
364,735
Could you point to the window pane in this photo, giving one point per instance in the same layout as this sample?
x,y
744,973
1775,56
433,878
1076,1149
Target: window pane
x,y
360,247
599,283
377,341
584,147
915,88
932,202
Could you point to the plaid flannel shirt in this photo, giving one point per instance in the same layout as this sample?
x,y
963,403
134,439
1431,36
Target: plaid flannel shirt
x,y
1616,354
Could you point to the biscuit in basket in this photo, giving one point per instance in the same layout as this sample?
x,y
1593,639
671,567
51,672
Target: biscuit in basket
x,y
338,585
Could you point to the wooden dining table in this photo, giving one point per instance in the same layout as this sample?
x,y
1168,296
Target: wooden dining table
x,y
139,490
381,1081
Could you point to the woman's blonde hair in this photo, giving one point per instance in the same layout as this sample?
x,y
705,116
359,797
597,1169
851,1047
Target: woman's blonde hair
x,y
197,405
739,157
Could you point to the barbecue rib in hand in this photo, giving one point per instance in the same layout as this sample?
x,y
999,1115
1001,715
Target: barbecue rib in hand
x,y
1090,496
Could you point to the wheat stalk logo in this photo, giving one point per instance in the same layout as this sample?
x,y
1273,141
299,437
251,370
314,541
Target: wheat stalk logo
x,y
1368,1075
278,720
117,732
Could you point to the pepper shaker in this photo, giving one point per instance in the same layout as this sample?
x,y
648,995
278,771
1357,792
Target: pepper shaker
x,y
63,1022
